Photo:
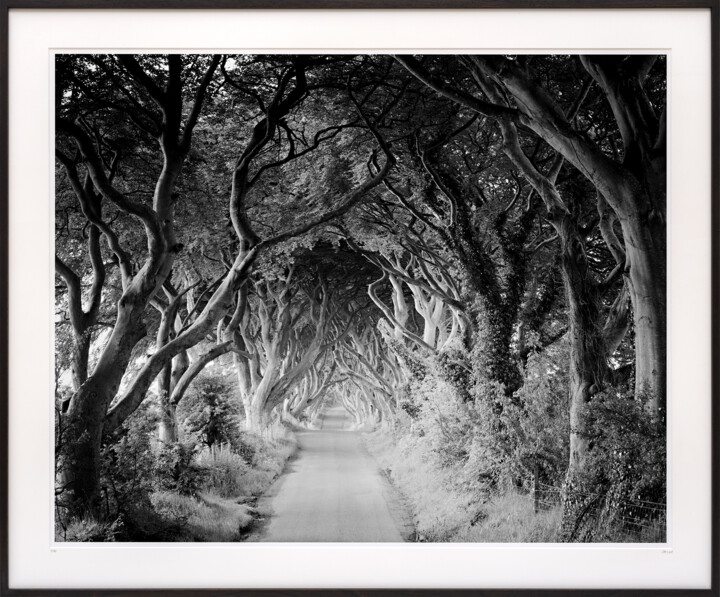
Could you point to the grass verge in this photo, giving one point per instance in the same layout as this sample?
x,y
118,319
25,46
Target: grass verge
x,y
205,517
217,506
443,511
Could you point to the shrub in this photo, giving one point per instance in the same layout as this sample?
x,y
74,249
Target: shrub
x,y
270,453
210,413
628,446
128,464
438,509
465,453
175,469
225,471
539,420
142,523
86,530
625,468
229,474
131,471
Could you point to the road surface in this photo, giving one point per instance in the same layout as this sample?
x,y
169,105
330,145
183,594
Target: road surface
x,y
332,492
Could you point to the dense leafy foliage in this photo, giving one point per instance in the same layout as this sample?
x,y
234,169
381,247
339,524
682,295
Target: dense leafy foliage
x,y
244,239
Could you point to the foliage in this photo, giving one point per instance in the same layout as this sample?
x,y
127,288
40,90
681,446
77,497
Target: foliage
x,y
175,469
438,455
205,517
538,419
628,453
225,471
624,481
438,510
277,143
129,475
511,518
466,466
129,464
85,530
270,453
210,413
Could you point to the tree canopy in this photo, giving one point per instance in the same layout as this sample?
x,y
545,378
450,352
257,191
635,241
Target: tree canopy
x,y
483,237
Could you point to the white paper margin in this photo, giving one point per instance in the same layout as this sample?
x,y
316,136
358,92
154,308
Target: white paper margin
x,y
34,562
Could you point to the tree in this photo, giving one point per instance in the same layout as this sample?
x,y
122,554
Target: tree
x,y
417,239
159,110
632,179
88,405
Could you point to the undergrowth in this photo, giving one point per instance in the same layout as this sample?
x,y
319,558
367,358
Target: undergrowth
x,y
445,512
184,492
206,517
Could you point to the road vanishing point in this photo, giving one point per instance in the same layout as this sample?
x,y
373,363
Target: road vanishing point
x,y
333,491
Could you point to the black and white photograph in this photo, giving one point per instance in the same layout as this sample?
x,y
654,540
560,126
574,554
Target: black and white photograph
x,y
360,298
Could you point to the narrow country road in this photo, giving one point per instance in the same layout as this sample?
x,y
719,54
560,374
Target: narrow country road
x,y
332,492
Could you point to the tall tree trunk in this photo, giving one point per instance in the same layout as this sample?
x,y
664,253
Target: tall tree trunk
x,y
80,357
168,428
168,425
256,418
255,402
86,417
587,351
82,440
646,257
635,188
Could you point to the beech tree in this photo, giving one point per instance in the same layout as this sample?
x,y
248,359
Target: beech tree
x,y
436,243
153,97
161,107
631,178
83,318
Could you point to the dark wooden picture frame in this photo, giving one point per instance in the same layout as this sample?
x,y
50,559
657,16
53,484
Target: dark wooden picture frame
x,y
6,6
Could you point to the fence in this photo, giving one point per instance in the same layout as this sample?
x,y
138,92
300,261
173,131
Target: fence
x,y
640,519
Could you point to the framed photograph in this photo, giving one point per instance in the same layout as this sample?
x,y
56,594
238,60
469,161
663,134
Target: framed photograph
x,y
334,298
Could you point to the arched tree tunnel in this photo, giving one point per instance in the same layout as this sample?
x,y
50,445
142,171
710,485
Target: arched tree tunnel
x,y
464,255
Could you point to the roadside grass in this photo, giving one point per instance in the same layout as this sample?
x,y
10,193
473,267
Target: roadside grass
x,y
220,510
224,471
443,512
206,517
510,518
650,532
215,514
230,475
220,513
438,512
271,451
